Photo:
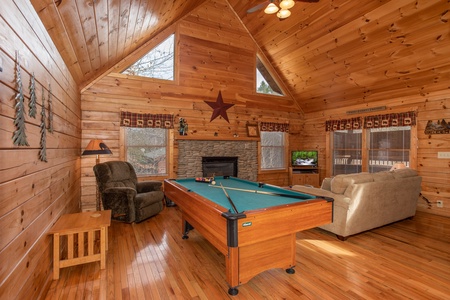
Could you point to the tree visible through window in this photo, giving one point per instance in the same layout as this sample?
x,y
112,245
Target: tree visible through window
x,y
265,84
146,150
158,63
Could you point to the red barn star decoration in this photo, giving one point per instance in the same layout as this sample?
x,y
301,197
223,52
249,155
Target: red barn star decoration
x,y
220,108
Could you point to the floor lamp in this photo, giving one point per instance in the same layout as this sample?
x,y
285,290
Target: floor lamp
x,y
96,147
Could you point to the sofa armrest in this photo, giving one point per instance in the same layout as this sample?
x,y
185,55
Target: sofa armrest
x,y
313,191
326,184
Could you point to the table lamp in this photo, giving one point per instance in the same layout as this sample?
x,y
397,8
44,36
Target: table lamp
x,y
96,147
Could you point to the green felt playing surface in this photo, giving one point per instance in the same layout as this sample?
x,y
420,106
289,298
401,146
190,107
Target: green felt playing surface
x,y
243,200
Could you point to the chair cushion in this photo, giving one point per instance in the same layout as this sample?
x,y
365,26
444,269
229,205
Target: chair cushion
x,y
149,198
115,174
149,186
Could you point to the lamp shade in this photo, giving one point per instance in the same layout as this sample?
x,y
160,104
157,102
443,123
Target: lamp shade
x,y
286,4
271,9
397,166
283,13
96,147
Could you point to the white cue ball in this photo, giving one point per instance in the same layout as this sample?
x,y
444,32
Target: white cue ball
x,y
213,182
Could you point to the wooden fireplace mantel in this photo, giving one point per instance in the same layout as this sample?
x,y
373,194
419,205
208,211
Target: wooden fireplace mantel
x,y
215,138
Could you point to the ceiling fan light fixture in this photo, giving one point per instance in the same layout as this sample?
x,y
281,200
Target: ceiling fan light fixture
x,y
283,13
287,4
271,9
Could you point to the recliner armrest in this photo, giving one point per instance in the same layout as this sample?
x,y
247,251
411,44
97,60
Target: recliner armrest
x,y
128,192
149,186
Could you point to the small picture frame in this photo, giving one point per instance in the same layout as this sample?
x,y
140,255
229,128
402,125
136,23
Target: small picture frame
x,y
252,130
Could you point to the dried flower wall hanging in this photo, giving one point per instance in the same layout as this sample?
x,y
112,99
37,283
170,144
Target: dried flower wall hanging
x,y
43,151
19,136
32,103
50,109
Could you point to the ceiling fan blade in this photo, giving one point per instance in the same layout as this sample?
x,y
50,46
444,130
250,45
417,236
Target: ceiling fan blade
x,y
310,1
258,7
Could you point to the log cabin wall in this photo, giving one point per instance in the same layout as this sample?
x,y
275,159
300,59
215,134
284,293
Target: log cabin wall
x,y
34,193
214,53
435,171
217,54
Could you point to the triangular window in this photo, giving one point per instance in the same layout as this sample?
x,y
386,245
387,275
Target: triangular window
x,y
158,63
265,84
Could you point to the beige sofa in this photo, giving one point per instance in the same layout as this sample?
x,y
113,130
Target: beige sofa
x,y
364,201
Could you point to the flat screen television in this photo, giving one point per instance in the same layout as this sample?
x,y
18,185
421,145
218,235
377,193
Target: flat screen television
x,y
304,158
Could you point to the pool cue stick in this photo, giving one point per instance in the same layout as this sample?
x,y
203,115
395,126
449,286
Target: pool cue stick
x,y
261,192
229,199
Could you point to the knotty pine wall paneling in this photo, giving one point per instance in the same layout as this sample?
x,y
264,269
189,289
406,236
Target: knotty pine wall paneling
x,y
435,172
34,193
214,53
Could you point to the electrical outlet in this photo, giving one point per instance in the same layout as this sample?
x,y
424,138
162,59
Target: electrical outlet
x,y
443,154
440,203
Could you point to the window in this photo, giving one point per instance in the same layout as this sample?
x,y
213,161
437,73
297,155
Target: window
x,y
265,84
273,150
146,150
158,63
385,147
347,151
388,146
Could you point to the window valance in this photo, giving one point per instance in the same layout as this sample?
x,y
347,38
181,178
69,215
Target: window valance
x,y
143,120
390,120
270,126
344,124
377,121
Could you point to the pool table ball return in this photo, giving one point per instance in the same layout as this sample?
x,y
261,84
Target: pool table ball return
x,y
253,224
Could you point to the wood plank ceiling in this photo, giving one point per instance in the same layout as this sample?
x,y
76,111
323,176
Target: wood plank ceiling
x,y
331,54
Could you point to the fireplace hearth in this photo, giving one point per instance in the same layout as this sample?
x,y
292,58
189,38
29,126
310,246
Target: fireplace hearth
x,y
220,166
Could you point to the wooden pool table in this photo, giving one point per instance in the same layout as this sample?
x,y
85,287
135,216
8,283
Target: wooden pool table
x,y
260,235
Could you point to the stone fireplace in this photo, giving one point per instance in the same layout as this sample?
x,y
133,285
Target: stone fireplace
x,y
191,153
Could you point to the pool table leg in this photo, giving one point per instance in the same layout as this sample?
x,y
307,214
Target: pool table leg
x,y
185,230
290,270
233,291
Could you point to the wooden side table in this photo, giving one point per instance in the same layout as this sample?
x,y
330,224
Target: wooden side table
x,y
80,228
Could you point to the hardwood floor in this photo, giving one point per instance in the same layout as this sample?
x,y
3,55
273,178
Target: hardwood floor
x,y
406,260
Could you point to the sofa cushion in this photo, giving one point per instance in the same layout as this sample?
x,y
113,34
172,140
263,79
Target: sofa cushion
x,y
383,176
340,182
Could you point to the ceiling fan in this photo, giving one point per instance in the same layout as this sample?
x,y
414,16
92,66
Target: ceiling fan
x,y
282,11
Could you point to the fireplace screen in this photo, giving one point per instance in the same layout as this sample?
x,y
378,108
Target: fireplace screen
x,y
220,166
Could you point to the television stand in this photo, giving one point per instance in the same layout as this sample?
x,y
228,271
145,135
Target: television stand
x,y
304,176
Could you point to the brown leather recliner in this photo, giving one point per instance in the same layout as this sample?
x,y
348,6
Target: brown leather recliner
x,y
129,200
